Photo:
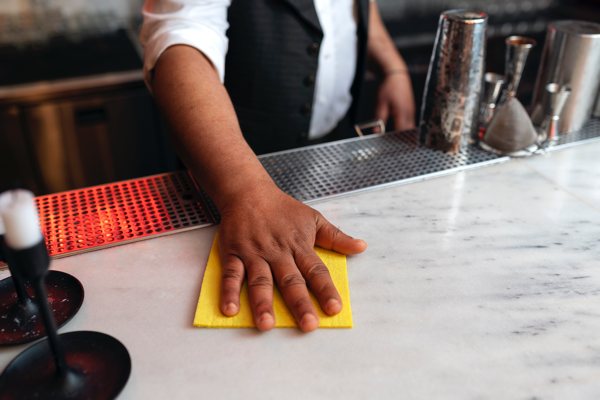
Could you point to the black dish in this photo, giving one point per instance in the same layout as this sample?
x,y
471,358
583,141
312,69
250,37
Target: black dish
x,y
65,296
98,367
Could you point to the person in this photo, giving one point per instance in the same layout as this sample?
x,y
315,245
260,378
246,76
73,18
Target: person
x,y
239,78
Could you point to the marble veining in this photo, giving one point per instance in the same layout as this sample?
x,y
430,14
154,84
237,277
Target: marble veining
x,y
484,284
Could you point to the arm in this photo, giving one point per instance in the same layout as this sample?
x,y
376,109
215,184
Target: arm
x,y
264,234
395,97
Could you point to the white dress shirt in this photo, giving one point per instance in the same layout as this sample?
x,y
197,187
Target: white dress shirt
x,y
202,24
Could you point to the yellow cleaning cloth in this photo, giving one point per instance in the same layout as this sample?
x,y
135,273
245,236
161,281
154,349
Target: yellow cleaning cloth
x,y
208,313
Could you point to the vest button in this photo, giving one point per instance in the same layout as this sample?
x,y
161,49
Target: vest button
x,y
306,109
309,80
313,49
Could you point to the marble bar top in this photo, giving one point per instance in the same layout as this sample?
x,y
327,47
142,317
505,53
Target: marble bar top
x,y
484,284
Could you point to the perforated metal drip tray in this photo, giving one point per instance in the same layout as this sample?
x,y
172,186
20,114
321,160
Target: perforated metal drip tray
x,y
344,167
122,212
338,168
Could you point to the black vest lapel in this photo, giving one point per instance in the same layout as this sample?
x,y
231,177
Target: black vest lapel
x,y
363,16
306,9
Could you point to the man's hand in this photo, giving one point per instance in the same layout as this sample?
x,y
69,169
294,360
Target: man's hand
x,y
395,99
265,234
395,96
268,237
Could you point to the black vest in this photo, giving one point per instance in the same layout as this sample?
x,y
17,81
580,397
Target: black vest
x,y
271,66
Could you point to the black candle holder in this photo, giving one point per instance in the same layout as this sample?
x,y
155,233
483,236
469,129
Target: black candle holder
x,y
74,365
19,314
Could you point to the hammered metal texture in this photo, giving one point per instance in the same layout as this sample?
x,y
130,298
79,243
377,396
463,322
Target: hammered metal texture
x,y
450,106
121,212
336,168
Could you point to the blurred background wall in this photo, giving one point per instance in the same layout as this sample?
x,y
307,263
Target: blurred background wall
x,y
122,8
75,112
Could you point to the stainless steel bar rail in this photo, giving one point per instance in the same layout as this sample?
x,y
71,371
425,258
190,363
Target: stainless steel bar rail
x,y
117,213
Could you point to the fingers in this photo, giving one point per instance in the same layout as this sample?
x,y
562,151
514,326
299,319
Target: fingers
x,y
231,284
404,121
260,290
293,289
280,252
320,282
260,293
330,237
382,111
396,99
291,285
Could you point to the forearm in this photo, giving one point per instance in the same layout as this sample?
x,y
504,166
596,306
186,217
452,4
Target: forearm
x,y
381,47
265,235
204,127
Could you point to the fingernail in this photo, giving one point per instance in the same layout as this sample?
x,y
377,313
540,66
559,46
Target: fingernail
x,y
309,323
265,321
230,309
333,306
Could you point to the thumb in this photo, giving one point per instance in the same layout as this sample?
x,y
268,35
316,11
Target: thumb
x,y
331,237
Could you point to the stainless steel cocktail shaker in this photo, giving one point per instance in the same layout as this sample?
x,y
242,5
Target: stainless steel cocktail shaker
x,y
571,57
450,108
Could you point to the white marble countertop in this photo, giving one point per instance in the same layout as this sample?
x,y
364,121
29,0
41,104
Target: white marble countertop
x,y
483,284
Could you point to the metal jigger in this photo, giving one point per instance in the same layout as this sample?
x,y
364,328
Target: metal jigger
x,y
492,86
75,365
554,103
517,50
19,314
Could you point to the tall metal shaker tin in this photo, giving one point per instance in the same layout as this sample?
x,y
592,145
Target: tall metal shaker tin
x,y
450,107
571,57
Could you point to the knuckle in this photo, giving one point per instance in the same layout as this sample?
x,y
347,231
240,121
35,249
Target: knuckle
x,y
260,281
291,280
264,248
335,234
319,218
322,289
301,303
232,274
300,236
232,246
262,306
316,270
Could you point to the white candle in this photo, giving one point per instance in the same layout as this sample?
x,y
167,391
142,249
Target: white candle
x,y
3,202
1,226
21,221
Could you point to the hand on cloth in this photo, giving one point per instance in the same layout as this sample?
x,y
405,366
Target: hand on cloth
x,y
268,237
395,100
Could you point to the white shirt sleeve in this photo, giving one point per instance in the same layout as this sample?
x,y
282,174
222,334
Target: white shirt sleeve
x,y
201,24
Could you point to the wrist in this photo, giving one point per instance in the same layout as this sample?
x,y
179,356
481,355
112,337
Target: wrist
x,y
395,71
251,191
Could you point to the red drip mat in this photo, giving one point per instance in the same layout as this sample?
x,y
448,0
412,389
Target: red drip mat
x,y
121,212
